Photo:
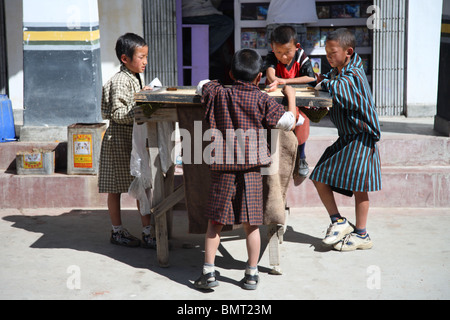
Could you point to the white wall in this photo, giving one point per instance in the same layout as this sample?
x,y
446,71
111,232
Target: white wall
x,y
424,38
117,17
14,38
70,13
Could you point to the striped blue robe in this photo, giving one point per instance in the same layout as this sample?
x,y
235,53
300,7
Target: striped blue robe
x,y
352,163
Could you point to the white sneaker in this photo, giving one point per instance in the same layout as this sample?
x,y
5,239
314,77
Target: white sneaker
x,y
337,231
354,241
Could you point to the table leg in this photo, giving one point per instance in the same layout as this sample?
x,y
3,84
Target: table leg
x,y
168,189
275,239
162,241
276,234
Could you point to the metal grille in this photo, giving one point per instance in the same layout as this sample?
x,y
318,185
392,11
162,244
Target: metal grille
x,y
3,60
160,32
389,57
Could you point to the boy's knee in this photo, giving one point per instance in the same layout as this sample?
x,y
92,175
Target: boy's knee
x,y
317,184
249,228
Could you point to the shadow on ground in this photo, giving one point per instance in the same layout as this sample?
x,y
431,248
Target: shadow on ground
x,y
89,231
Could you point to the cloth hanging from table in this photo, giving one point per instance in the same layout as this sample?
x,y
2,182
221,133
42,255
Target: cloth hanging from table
x,y
197,177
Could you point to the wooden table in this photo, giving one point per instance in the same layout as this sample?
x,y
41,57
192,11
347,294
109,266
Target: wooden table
x,y
171,97
170,101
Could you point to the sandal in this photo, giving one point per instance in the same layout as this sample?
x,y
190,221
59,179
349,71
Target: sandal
x,y
206,281
250,282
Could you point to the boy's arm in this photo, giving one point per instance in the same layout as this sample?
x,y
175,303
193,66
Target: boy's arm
x,y
322,80
289,93
306,77
270,64
344,91
288,120
271,77
122,103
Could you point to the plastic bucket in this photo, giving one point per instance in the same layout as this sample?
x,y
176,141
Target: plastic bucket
x,y
7,132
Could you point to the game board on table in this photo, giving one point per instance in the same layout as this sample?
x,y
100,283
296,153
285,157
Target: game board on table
x,y
186,95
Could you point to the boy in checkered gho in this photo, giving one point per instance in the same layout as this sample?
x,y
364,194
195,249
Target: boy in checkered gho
x,y
117,106
236,183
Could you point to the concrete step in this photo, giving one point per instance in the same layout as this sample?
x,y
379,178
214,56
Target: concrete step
x,y
56,191
403,187
8,152
416,173
395,150
418,187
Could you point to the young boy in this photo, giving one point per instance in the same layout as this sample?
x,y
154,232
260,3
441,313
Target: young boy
x,y
117,107
288,64
351,166
236,183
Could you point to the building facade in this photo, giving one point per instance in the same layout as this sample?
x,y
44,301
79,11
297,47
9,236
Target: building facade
x,y
54,86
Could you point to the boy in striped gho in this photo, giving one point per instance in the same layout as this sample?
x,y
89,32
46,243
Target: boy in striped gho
x,y
351,166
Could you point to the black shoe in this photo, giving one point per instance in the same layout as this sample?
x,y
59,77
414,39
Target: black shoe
x,y
124,238
206,281
148,242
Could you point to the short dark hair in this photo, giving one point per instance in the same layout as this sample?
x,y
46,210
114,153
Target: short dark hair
x,y
127,45
246,65
344,37
283,35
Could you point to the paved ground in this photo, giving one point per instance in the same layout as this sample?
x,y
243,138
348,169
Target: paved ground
x,y
65,254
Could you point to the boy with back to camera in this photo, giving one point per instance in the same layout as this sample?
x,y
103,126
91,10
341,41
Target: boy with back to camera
x,y
236,183
351,166
289,64
117,106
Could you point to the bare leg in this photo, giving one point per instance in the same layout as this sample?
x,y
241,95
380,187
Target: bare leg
x,y
146,220
361,209
212,242
114,208
327,197
253,239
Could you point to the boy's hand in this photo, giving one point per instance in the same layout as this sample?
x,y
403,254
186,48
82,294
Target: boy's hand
x,y
288,91
274,85
319,77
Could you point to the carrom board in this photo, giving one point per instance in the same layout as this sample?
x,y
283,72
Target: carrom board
x,y
186,95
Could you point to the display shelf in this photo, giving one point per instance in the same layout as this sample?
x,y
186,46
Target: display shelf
x,y
249,32
250,27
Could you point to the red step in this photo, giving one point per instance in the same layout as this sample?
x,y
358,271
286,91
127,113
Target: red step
x,y
416,173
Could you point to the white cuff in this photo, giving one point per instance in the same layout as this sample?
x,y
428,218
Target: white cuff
x,y
319,86
286,122
301,120
200,85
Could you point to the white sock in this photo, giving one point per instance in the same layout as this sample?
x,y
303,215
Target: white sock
x,y
208,268
251,270
147,230
117,228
